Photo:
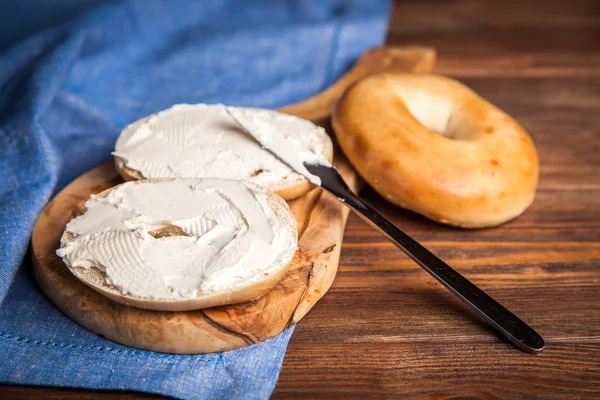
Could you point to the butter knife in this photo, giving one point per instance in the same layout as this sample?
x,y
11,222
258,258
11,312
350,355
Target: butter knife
x,y
326,176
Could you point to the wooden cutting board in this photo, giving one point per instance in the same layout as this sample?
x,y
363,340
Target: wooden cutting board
x,y
321,220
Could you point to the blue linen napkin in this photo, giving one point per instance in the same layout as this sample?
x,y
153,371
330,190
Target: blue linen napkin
x,y
66,91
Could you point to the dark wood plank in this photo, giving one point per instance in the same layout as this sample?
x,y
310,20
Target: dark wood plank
x,y
504,38
388,330
445,370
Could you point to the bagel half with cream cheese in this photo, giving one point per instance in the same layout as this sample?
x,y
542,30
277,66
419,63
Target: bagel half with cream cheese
x,y
181,244
430,144
203,141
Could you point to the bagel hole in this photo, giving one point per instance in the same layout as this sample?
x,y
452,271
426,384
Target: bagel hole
x,y
167,231
436,113
433,113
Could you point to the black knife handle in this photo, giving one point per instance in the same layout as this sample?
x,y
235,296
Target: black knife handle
x,y
505,322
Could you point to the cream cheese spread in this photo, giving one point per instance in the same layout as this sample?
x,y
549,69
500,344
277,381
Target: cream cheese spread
x,y
177,239
276,132
200,140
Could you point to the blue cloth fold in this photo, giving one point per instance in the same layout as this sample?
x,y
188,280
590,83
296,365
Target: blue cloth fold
x,y
66,91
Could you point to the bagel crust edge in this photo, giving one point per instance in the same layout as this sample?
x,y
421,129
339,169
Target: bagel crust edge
x,y
430,144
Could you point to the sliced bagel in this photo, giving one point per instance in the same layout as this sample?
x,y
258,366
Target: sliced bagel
x,y
181,244
203,141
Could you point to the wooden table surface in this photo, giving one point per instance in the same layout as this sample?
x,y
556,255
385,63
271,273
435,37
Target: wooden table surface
x,y
386,328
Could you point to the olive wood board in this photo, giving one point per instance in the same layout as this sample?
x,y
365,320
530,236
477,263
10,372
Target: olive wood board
x,y
321,220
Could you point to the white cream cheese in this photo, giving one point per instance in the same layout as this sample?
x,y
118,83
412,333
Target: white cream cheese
x,y
276,133
228,236
196,141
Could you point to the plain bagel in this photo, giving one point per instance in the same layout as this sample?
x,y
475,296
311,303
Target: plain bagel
x,y
430,144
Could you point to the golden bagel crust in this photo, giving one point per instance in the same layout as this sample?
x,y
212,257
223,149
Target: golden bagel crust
x,y
430,144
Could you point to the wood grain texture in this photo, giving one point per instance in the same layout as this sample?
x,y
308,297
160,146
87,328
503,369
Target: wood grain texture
x,y
320,218
385,328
